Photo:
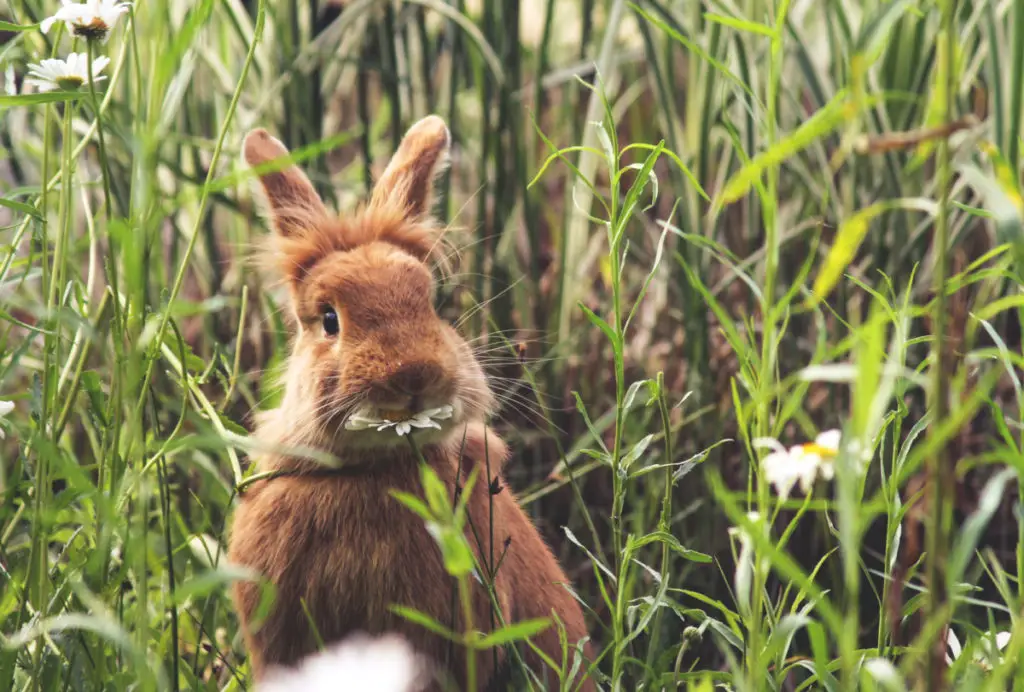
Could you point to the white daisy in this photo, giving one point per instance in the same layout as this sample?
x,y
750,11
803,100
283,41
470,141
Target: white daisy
x,y
801,464
385,664
69,74
401,421
5,408
90,19
743,578
985,655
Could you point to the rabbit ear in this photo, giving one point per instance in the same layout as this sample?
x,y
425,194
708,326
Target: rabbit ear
x,y
408,181
294,203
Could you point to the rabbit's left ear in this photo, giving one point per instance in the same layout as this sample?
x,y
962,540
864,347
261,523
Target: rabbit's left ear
x,y
408,182
293,202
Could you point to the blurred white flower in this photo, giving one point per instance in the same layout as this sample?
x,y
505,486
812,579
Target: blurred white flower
x,y
801,464
68,74
984,655
359,663
5,408
743,578
400,421
10,83
89,19
805,463
885,674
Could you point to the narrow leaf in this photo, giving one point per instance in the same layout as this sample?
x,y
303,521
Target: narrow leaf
x,y
7,26
7,101
518,631
741,24
834,113
422,619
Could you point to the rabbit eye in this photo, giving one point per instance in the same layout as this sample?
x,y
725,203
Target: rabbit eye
x,y
330,321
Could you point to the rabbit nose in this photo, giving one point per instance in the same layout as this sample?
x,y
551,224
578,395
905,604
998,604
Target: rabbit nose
x,y
410,383
415,378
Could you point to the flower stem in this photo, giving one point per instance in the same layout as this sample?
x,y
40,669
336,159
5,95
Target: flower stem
x,y
940,477
37,552
467,610
665,520
763,421
104,166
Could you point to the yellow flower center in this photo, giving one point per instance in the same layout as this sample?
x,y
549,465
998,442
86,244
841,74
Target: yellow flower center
x,y
69,83
815,448
95,29
394,414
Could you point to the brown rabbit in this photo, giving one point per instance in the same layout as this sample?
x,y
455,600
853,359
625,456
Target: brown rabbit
x,y
369,342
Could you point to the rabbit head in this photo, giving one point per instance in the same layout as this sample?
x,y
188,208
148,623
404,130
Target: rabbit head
x,y
368,344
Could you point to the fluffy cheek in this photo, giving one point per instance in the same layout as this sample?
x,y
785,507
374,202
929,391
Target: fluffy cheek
x,y
328,398
471,387
315,364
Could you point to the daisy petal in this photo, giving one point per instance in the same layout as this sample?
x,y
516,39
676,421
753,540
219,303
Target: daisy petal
x,y
953,643
768,443
829,439
42,85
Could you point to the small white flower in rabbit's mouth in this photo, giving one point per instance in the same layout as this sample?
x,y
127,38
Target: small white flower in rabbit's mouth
x,y
401,421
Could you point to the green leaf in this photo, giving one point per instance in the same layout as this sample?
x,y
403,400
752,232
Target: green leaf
x,y
435,492
104,627
422,619
988,503
784,631
593,558
935,113
634,389
207,582
458,560
645,176
828,118
20,207
1005,356
597,455
92,386
518,631
8,101
875,30
848,239
7,26
673,543
695,49
820,651
635,452
683,168
414,503
741,24
600,323
582,408
1001,195
1010,302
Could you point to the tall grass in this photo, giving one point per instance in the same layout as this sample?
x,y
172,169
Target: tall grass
x,y
684,228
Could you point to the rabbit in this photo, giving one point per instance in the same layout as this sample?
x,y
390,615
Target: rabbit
x,y
338,548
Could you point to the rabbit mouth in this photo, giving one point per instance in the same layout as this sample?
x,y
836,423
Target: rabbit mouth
x,y
399,422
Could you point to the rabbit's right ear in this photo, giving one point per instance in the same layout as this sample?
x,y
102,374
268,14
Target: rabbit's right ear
x,y
293,203
407,183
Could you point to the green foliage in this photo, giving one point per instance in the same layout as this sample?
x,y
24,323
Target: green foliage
x,y
695,234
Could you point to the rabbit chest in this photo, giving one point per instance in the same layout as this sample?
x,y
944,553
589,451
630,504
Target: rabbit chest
x,y
343,550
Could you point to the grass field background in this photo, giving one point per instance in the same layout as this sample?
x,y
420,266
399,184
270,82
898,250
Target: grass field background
x,y
681,227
